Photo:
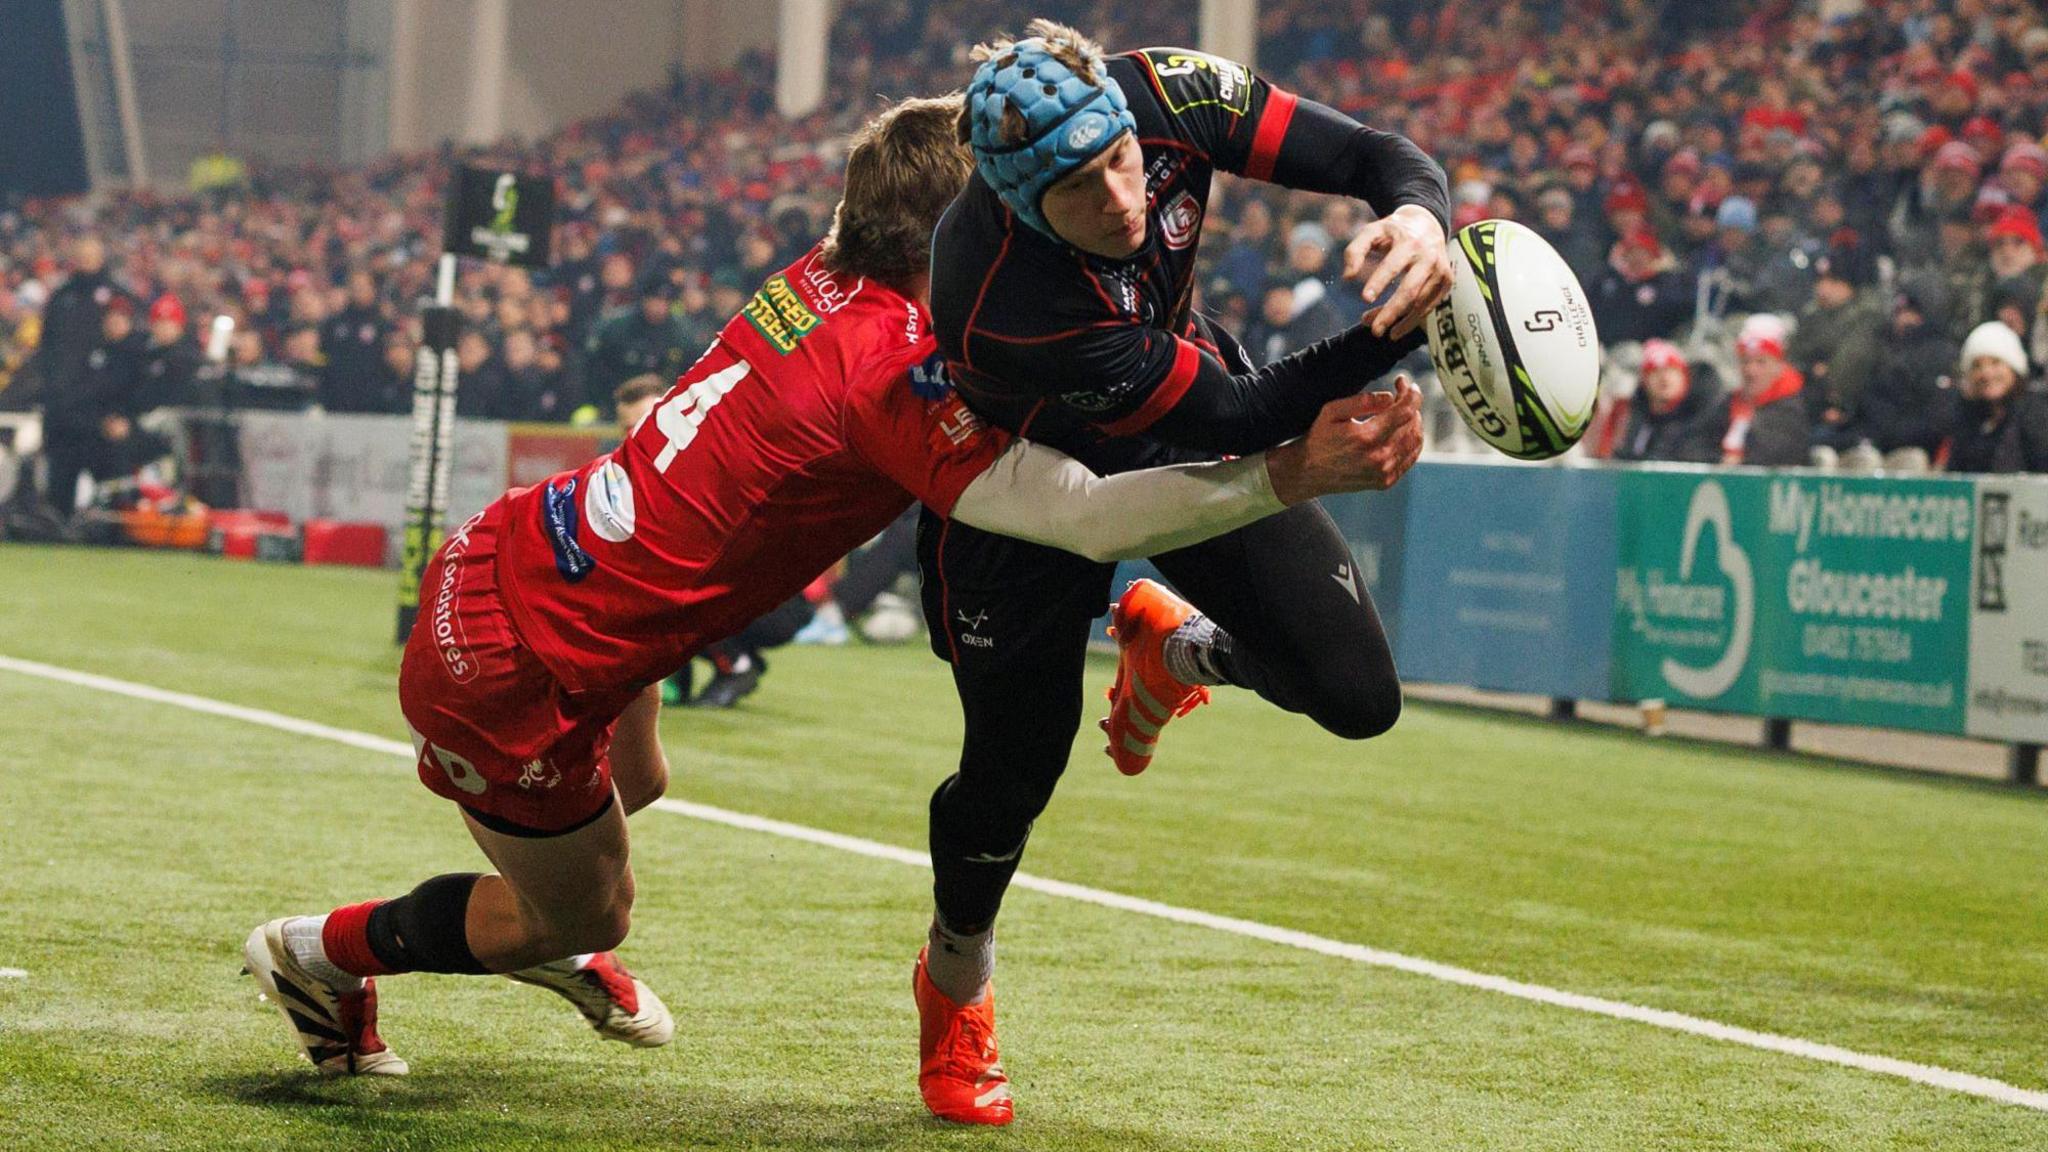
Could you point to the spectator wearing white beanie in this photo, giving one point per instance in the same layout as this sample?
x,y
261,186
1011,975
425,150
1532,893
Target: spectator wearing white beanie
x,y
2000,425
1995,340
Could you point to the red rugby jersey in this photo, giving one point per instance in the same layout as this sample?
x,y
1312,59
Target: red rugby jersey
x,y
819,414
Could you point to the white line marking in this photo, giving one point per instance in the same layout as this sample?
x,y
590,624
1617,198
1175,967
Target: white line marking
x,y
13,973
1927,1074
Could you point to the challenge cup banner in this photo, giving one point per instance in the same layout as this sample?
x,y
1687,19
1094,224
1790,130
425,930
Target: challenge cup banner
x,y
499,216
2009,624
1811,597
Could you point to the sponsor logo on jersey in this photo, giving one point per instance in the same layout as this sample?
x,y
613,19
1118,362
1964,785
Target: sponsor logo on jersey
x,y
558,520
608,503
1126,285
459,770
969,626
1163,166
959,425
823,291
929,379
1189,80
1181,221
780,315
1096,401
540,773
449,637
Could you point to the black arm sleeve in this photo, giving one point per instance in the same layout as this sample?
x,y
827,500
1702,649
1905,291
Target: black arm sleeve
x,y
1327,151
1248,126
1251,412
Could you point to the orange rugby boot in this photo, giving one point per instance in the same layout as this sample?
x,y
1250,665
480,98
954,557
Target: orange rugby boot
x,y
1145,695
958,1073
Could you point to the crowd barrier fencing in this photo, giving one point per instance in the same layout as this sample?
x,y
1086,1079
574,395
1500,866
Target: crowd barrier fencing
x,y
1793,595
1892,602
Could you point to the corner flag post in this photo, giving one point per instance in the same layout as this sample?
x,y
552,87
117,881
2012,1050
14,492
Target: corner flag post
x,y
498,216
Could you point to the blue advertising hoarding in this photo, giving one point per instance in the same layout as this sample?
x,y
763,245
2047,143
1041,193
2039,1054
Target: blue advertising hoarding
x,y
1507,578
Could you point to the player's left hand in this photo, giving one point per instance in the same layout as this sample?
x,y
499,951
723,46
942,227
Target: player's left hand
x,y
1405,247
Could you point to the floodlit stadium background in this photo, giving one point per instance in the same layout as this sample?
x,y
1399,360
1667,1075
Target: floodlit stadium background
x,y
1882,597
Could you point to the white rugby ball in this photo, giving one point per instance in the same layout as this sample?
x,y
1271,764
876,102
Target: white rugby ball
x,y
1514,343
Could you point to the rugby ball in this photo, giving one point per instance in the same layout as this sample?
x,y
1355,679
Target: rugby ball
x,y
1514,343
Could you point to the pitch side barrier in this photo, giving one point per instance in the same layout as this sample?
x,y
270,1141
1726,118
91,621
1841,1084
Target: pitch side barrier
x,y
1894,602
357,467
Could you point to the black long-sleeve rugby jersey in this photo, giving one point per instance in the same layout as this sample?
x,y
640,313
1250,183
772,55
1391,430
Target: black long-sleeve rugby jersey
x,y
1104,359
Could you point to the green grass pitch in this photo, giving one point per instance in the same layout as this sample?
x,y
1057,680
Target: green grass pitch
x,y
1897,916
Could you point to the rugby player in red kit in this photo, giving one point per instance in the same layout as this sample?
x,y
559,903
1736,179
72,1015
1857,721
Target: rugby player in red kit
x,y
818,415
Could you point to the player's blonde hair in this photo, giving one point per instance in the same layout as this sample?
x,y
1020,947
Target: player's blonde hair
x,y
904,168
1063,42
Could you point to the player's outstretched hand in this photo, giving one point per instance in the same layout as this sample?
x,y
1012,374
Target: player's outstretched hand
x,y
1405,249
1362,443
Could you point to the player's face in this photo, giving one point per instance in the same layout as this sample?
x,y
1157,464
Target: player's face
x,y
1100,207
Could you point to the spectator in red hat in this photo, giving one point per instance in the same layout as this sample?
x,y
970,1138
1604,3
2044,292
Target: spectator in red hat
x,y
1642,293
1955,167
1677,180
1765,420
1983,133
1957,96
1582,175
2017,270
1627,207
2023,173
1773,111
1947,188
1671,415
170,360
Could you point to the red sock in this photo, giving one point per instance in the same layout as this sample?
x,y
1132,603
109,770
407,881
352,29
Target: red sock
x,y
346,940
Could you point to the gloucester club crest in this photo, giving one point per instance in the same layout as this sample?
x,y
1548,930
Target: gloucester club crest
x,y
1181,220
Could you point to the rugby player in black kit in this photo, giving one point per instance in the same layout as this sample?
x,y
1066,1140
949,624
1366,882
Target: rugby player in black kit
x,y
1062,286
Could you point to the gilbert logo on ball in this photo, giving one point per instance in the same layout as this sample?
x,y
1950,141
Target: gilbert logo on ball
x,y
1514,343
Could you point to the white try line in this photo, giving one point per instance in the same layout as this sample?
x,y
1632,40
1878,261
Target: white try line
x,y
1928,1074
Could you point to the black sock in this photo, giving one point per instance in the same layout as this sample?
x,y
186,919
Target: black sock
x,y
425,929
1199,652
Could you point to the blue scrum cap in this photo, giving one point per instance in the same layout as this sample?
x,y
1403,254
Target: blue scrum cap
x,y
1067,120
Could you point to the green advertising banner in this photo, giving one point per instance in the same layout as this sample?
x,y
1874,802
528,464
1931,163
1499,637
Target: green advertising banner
x,y
1795,595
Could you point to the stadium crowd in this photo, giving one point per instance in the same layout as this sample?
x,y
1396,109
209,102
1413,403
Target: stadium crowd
x,y
1813,230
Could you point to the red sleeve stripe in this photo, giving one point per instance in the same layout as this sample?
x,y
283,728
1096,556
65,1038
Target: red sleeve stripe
x,y
967,334
1187,359
1024,429
1272,130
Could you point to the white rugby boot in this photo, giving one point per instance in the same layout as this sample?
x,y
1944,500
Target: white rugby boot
x,y
613,1000
335,1028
